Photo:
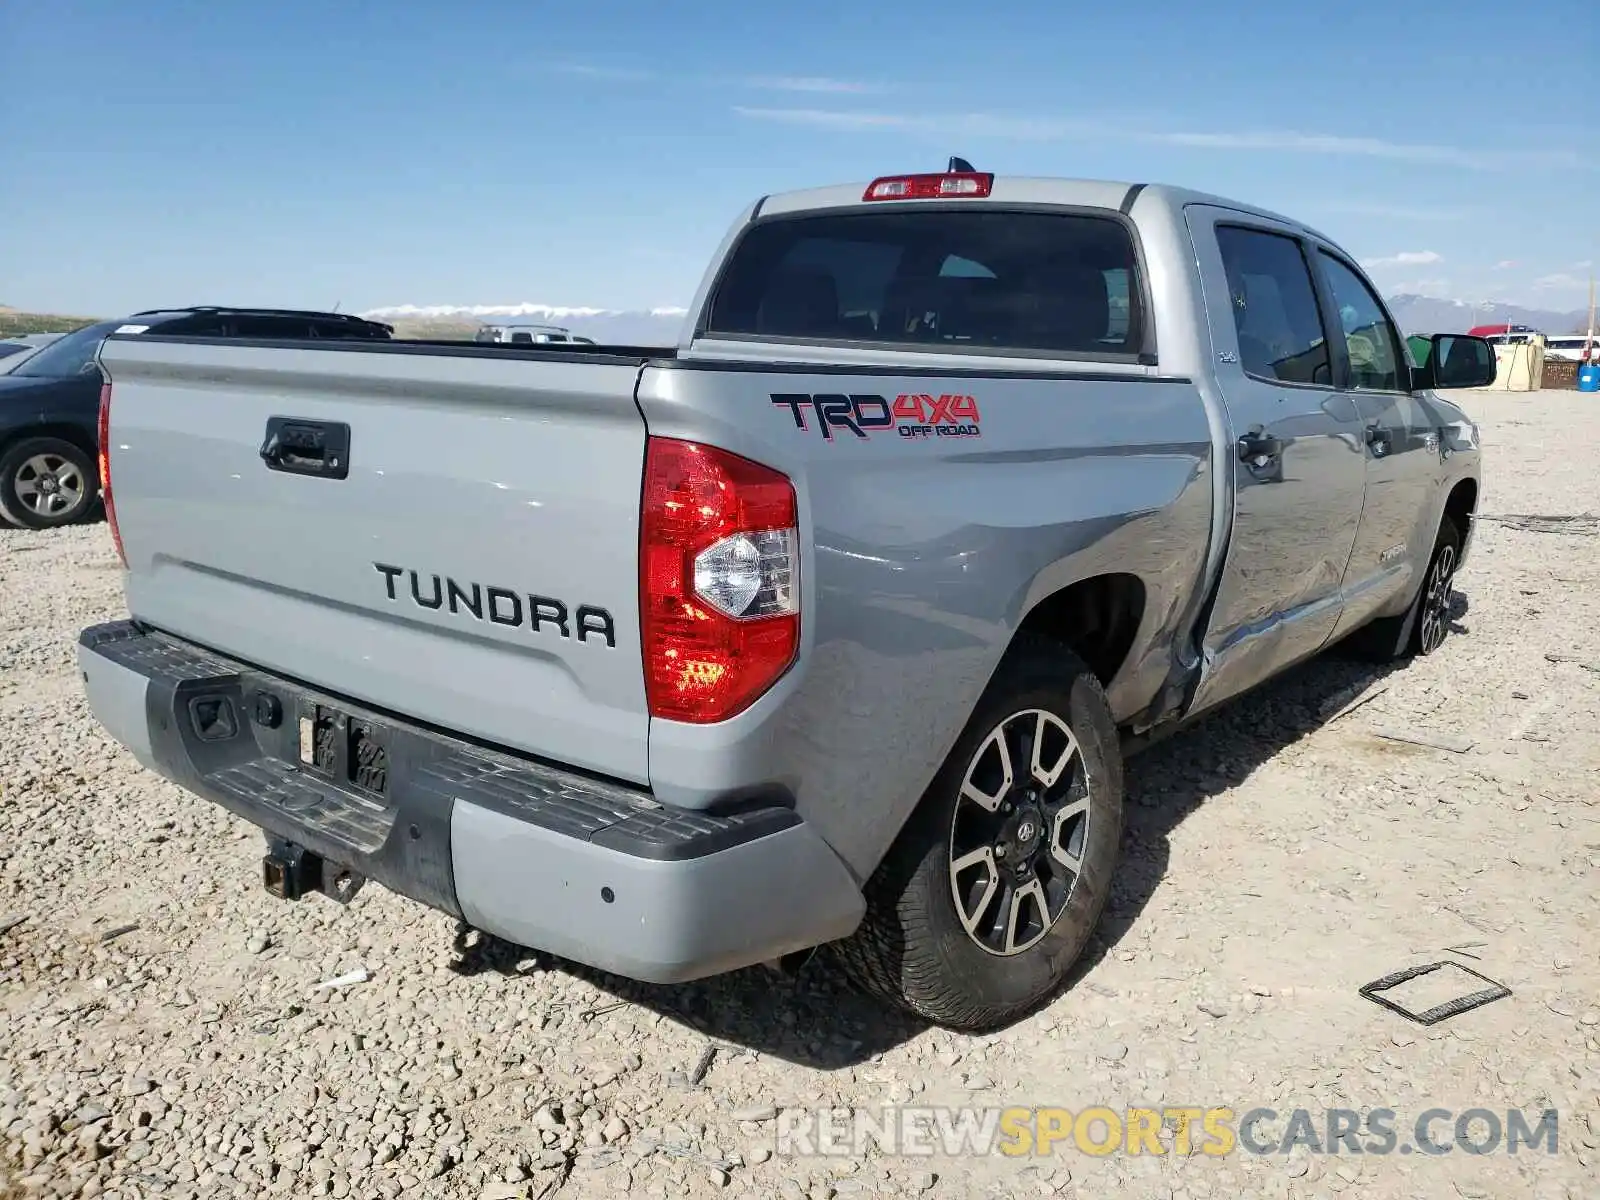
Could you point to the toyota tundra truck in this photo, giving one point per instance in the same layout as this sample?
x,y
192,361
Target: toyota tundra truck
x,y
827,627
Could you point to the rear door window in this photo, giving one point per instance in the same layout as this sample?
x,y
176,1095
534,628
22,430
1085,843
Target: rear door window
x,y
73,354
980,281
1274,306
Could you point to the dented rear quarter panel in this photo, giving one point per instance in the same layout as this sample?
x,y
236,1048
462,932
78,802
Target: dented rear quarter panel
x,y
923,554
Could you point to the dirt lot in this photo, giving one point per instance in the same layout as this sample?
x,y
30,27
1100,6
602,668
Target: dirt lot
x,y
163,1035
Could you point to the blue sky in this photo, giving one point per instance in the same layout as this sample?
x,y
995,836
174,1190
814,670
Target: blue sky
x,y
592,153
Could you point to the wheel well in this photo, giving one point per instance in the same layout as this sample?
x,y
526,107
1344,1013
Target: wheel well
x,y
1462,503
1097,618
66,433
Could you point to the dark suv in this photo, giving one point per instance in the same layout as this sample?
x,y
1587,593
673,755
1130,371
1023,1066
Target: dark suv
x,y
49,404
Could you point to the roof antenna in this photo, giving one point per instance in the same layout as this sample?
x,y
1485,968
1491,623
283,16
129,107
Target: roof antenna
x,y
959,164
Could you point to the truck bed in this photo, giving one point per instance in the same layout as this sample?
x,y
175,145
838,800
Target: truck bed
x,y
450,347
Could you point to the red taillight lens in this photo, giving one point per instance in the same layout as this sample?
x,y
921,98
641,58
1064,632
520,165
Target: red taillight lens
x,y
718,580
105,470
954,184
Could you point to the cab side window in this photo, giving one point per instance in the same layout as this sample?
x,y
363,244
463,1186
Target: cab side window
x,y
270,328
1274,305
1375,361
207,326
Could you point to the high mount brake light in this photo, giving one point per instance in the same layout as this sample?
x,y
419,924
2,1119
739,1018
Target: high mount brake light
x,y
718,580
951,184
104,432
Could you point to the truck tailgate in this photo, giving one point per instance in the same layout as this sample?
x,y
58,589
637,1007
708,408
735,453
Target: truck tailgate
x,y
471,563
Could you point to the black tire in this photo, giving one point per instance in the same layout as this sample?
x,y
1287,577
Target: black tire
x,y
46,483
1421,628
913,948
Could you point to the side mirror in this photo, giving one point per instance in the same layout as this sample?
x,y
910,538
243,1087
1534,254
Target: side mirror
x,y
1455,360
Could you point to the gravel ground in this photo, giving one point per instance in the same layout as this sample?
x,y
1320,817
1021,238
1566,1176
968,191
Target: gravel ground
x,y
164,1034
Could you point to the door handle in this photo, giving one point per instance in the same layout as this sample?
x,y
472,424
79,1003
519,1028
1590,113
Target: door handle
x,y
1379,439
1258,449
299,447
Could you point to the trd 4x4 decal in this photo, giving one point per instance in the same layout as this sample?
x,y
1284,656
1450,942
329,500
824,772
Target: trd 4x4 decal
x,y
911,416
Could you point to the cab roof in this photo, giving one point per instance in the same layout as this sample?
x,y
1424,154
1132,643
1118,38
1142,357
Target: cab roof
x,y
1021,189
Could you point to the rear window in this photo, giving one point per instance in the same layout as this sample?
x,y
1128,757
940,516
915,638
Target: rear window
x,y
73,354
976,280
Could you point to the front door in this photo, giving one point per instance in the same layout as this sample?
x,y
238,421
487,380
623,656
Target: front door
x,y
1299,453
1395,535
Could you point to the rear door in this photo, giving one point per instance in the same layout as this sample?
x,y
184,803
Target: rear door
x,y
1298,457
452,536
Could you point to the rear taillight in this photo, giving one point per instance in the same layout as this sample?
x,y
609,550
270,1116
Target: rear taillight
x,y
105,470
952,184
718,580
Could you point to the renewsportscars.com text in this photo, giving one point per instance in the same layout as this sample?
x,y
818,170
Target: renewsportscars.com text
x,y
1170,1129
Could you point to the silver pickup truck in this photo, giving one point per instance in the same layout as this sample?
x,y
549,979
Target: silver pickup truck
x,y
824,628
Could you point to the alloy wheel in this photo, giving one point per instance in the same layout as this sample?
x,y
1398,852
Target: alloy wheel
x,y
1018,837
1436,600
49,485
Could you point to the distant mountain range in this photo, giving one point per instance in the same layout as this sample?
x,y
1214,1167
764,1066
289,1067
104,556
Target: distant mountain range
x,y
1426,314
660,326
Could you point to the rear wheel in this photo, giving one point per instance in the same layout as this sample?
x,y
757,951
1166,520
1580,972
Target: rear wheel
x,y
995,885
46,482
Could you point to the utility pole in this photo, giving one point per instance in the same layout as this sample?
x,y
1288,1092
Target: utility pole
x,y
1588,338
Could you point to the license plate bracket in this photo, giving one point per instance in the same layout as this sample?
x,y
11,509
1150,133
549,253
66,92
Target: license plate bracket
x,y
346,749
368,756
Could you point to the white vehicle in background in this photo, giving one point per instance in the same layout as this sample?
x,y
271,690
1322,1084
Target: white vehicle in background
x,y
530,335
1572,347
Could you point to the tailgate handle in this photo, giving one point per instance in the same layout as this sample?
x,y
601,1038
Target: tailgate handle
x,y
300,447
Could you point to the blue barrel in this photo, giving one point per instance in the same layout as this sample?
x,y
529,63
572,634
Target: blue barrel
x,y
1589,377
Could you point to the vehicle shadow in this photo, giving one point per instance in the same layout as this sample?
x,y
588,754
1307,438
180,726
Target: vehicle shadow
x,y
1176,776
95,515
816,1019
